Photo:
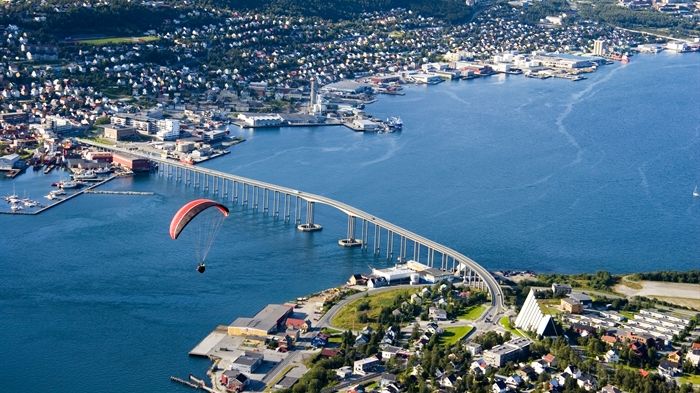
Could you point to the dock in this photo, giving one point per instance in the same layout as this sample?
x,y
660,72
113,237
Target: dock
x,y
209,342
105,192
194,383
69,197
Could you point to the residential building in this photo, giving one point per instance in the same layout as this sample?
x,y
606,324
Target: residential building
x,y
571,306
437,314
611,356
119,133
167,129
508,351
234,380
365,366
599,48
561,289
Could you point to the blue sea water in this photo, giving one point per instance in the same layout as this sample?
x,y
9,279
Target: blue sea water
x,y
516,173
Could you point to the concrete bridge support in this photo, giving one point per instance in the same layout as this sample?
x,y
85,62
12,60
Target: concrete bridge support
x,y
350,240
310,225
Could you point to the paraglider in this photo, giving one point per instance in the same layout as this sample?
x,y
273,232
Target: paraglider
x,y
204,218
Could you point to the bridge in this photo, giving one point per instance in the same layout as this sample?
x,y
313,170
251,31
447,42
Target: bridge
x,y
289,204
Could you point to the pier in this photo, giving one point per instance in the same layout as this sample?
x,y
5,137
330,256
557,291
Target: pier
x,y
194,383
364,230
106,192
88,189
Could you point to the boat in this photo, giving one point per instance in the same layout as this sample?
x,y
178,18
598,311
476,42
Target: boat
x,y
12,197
696,193
69,184
87,175
29,202
394,123
103,170
15,207
55,194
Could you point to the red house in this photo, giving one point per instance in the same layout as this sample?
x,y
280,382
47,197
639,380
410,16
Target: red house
x,y
234,380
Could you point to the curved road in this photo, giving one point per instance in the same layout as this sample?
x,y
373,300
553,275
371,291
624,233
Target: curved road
x,y
493,286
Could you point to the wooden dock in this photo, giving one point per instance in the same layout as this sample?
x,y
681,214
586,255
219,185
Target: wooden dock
x,y
194,383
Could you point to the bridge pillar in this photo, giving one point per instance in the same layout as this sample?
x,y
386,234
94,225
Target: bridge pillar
x,y
297,210
234,192
310,225
287,205
225,189
431,256
266,200
245,195
377,239
350,241
275,204
256,191
389,245
402,248
416,251
365,233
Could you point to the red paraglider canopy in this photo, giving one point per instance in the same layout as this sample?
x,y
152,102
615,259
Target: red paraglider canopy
x,y
190,211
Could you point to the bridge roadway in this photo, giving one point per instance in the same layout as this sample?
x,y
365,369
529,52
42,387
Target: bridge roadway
x,y
497,299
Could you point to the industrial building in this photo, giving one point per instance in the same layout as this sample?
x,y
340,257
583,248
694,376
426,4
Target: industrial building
x,y
10,161
268,321
136,164
261,120
248,362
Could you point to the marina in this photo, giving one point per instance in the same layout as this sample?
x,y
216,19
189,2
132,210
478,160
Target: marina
x,y
59,199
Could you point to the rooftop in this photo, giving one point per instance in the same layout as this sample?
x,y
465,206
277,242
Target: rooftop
x,y
267,319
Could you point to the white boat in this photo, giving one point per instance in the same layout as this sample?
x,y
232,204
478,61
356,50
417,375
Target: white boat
x,y
30,203
69,184
696,193
85,175
16,207
102,171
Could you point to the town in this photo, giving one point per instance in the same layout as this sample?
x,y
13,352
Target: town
x,y
411,328
165,92
168,87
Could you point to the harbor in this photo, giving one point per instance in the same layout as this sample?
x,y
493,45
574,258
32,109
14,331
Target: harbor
x,y
61,199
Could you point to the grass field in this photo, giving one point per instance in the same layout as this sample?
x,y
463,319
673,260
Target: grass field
x,y
550,306
505,322
119,40
688,378
348,316
453,334
627,314
472,313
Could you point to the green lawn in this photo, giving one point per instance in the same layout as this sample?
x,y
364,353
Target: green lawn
x,y
505,322
348,316
690,378
119,40
550,306
627,314
453,334
472,313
